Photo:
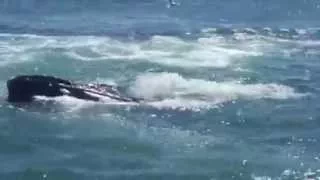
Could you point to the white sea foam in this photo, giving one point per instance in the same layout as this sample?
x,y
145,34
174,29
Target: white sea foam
x,y
70,104
210,50
172,51
174,91
165,50
292,174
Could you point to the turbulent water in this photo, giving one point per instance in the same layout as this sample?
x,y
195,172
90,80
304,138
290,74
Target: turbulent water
x,y
231,89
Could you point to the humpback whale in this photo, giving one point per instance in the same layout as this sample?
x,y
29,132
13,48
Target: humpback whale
x,y
23,88
172,3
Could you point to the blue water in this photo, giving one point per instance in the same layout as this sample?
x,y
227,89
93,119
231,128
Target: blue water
x,y
232,89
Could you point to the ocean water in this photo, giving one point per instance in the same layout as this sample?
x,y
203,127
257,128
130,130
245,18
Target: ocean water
x,y
232,89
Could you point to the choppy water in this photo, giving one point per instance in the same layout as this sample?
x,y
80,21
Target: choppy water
x,y
232,89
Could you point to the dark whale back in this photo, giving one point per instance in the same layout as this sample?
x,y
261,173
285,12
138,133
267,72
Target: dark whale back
x,y
23,88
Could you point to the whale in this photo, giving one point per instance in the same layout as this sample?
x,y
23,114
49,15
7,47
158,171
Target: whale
x,y
24,88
